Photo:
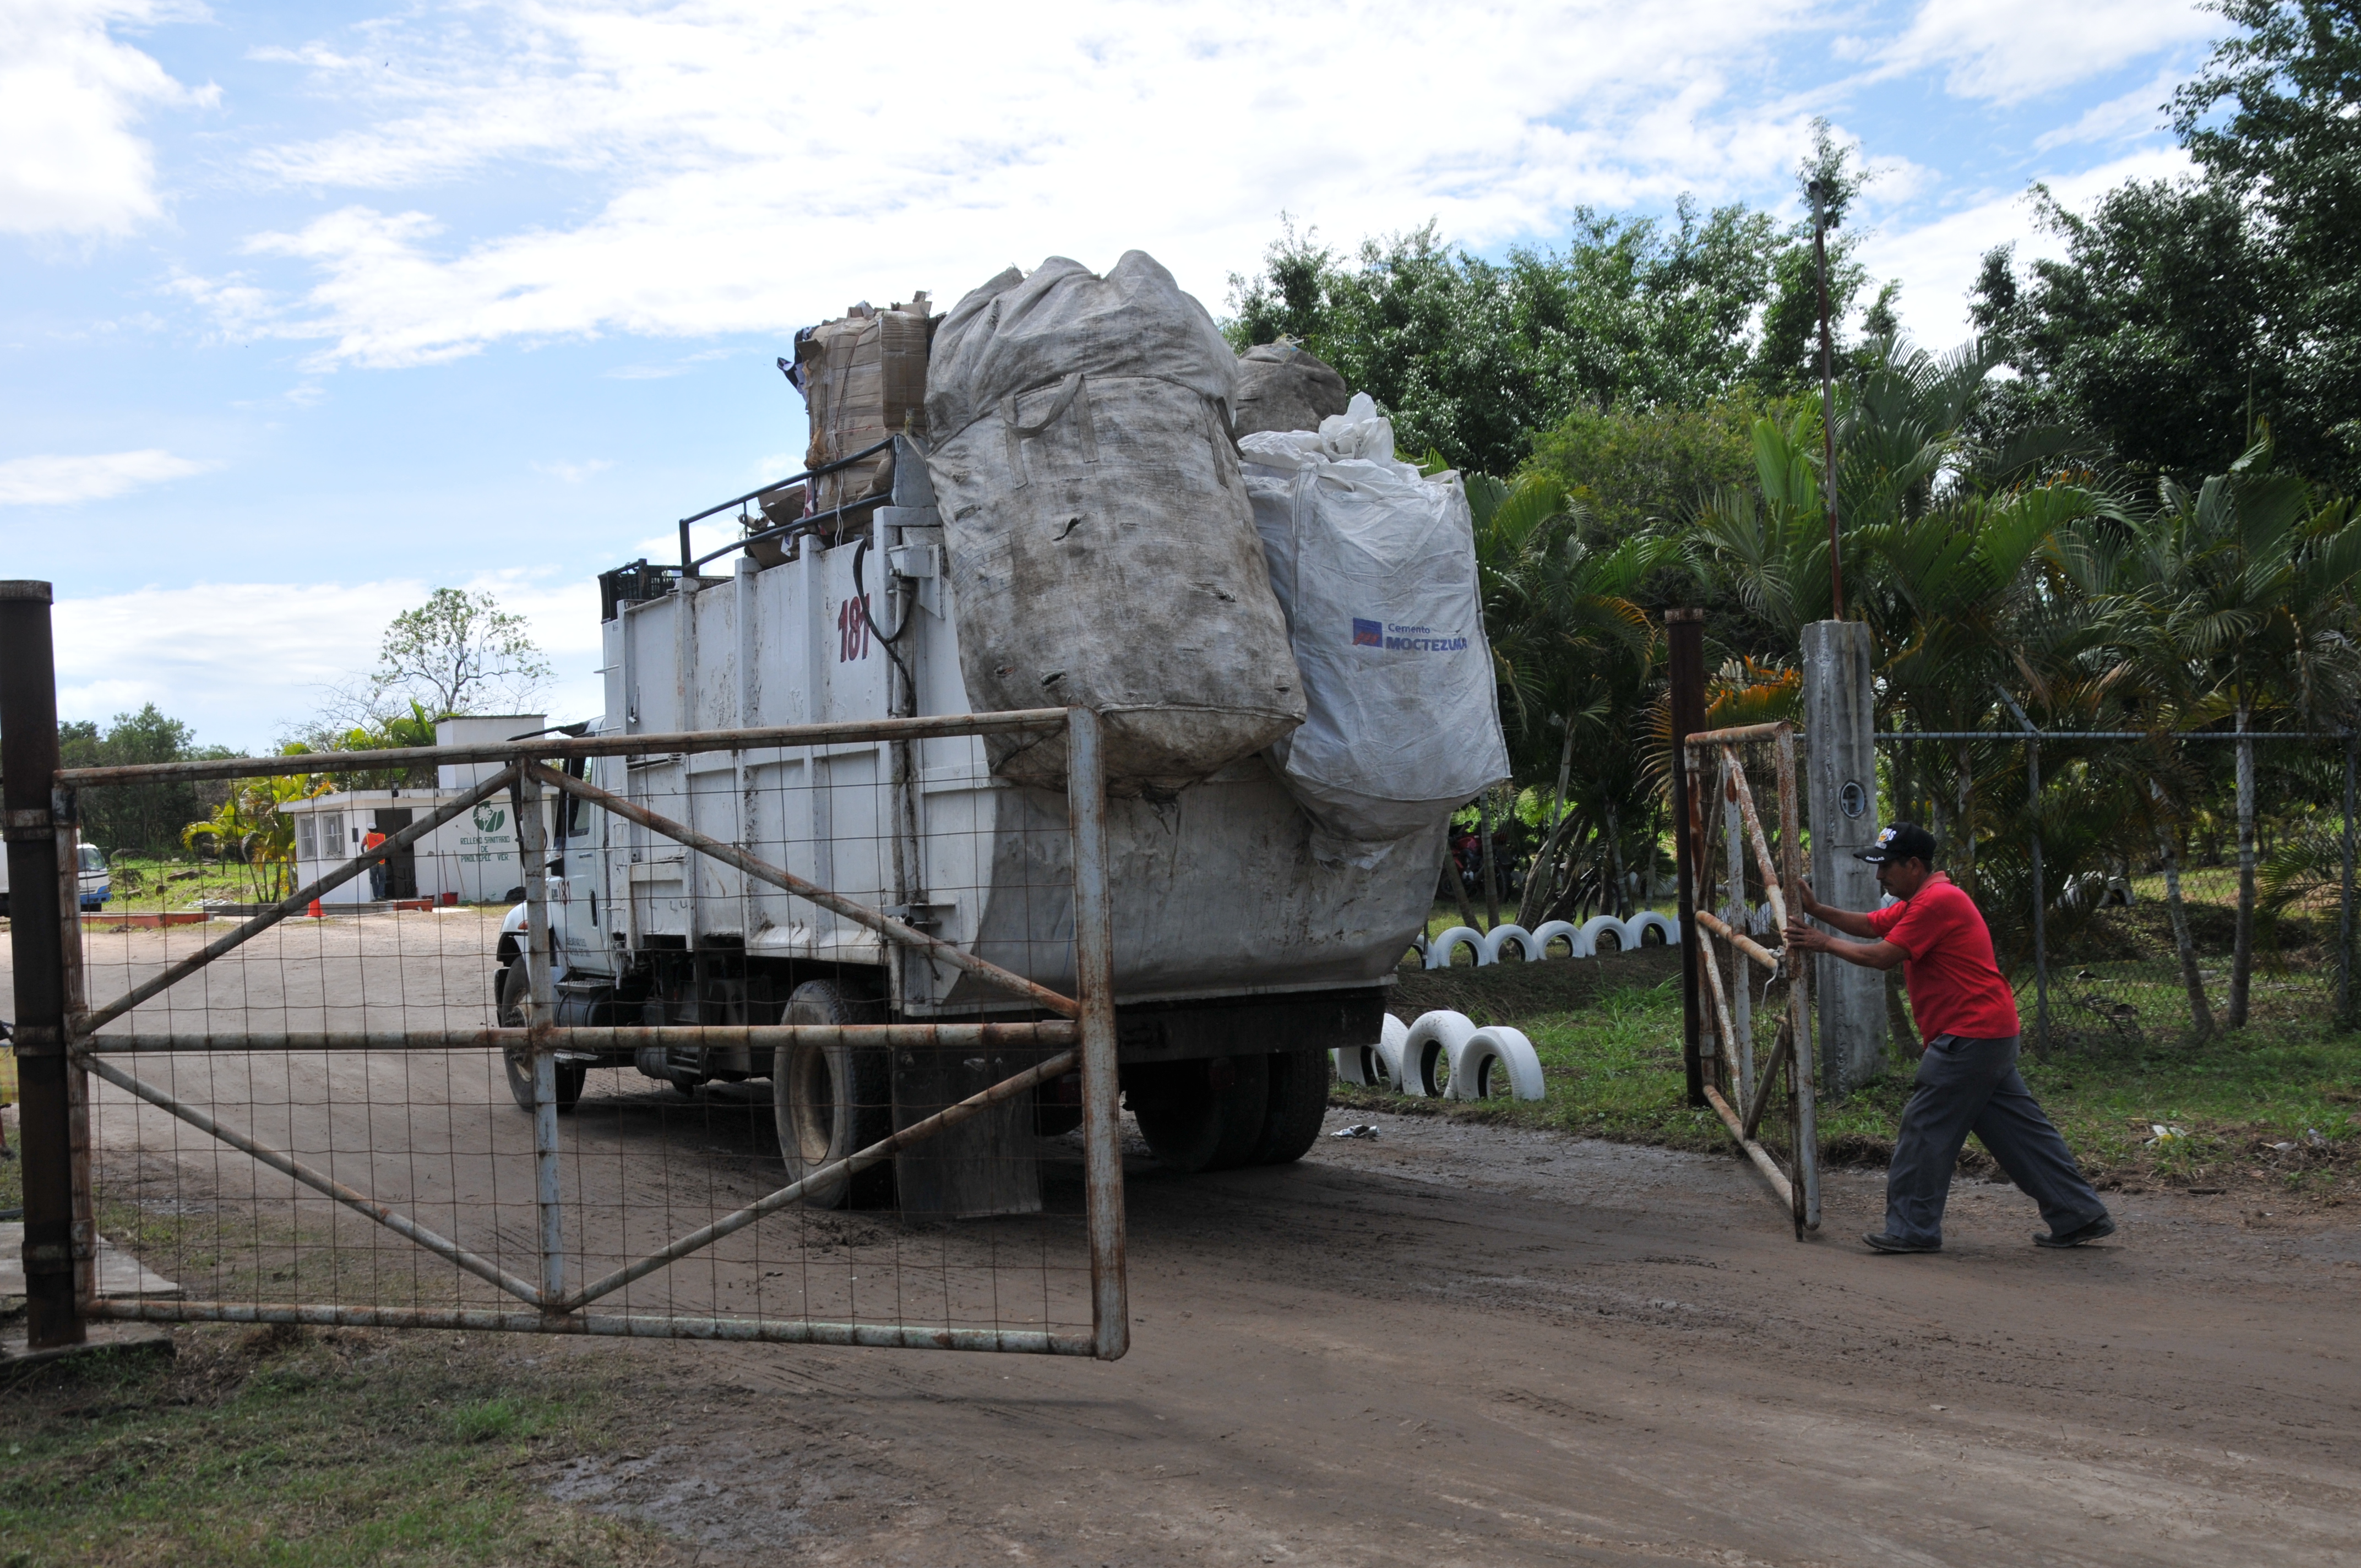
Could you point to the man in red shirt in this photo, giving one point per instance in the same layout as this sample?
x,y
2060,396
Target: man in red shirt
x,y
1967,1078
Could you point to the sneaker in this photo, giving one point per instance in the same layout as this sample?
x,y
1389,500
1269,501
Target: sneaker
x,y
2103,1225
1878,1241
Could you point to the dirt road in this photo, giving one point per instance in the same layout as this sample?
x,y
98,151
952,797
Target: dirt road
x,y
1457,1344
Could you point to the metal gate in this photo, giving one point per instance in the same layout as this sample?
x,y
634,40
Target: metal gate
x,y
373,1107
1747,1085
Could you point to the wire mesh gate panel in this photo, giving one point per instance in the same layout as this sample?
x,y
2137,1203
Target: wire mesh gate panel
x,y
1759,1008
798,1034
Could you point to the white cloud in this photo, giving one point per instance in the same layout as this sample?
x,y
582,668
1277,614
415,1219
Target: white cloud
x,y
241,661
1938,261
60,480
2008,50
744,187
70,94
2135,113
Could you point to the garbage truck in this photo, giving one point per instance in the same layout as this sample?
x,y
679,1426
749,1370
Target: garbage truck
x,y
1067,517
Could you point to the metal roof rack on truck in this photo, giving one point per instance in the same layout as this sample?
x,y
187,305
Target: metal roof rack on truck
x,y
689,564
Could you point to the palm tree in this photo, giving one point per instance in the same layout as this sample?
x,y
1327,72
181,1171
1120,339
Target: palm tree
x,y
1575,657
2236,599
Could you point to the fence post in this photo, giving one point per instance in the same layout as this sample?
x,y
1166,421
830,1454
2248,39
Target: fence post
x,y
29,765
1094,988
2344,899
2040,892
1685,629
1841,719
541,947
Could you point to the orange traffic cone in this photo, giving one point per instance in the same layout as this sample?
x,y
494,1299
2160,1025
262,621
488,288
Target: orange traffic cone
x,y
314,910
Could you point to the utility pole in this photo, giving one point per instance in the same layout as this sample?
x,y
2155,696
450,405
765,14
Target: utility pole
x,y
1828,398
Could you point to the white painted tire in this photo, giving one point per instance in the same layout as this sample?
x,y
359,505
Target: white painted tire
x,y
1549,931
1492,1050
1597,923
1499,936
1640,924
1433,1043
1440,948
1378,1066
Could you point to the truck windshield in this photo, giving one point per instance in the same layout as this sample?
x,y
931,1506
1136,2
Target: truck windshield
x,y
93,859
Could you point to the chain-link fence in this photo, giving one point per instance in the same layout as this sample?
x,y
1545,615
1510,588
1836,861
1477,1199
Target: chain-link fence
x,y
2113,868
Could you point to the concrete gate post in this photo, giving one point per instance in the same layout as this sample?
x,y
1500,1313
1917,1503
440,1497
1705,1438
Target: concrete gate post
x,y
1839,713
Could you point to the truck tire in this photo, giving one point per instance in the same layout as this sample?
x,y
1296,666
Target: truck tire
x,y
833,1101
1298,1099
509,989
1205,1114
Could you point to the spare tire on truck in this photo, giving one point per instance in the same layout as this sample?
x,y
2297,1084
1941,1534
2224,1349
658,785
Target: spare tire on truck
x,y
1103,551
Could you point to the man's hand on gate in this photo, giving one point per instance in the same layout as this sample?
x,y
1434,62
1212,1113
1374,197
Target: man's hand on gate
x,y
1804,902
1803,939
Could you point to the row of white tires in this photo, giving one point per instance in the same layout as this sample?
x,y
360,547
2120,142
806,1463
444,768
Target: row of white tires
x,y
1444,1056
1581,940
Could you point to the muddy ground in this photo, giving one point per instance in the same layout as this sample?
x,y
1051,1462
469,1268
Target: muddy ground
x,y
1459,1344
1464,1345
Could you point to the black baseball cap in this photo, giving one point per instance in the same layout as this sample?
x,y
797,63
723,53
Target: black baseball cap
x,y
1902,841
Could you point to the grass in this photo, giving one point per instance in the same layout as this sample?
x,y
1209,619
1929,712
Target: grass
x,y
280,1446
1613,1071
143,884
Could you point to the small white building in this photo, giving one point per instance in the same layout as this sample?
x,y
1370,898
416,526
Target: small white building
x,y
473,859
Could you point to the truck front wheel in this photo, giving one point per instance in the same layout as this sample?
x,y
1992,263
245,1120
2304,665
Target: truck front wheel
x,y
510,988
832,1100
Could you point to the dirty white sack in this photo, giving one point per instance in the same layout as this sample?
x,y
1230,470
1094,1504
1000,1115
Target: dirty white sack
x,y
1102,549
1375,567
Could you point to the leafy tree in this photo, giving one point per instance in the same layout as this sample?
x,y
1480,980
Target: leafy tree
x,y
2154,329
139,818
1632,467
2185,313
1473,356
457,651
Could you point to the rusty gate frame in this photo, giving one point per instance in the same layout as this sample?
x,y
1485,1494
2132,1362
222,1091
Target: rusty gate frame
x,y
58,1242
1798,1187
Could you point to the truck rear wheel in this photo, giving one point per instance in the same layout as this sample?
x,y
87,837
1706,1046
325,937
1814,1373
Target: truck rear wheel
x,y
1205,1114
833,1101
1298,1099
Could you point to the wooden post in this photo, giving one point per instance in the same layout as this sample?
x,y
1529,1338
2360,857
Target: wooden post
x,y
1840,715
1685,631
39,934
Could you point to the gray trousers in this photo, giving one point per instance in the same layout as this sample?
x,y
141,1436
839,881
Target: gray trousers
x,y
1972,1086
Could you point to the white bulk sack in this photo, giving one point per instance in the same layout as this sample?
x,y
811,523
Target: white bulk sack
x,y
1375,567
1103,552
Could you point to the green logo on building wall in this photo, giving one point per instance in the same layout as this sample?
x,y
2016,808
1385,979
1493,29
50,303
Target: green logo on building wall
x,y
488,818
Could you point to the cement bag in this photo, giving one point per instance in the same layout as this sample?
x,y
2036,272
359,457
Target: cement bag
x,y
1284,387
1376,567
1103,552
864,378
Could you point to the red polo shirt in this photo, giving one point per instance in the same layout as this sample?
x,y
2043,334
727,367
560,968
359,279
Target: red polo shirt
x,y
1955,986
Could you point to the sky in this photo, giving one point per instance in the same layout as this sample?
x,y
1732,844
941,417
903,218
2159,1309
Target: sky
x,y
306,310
